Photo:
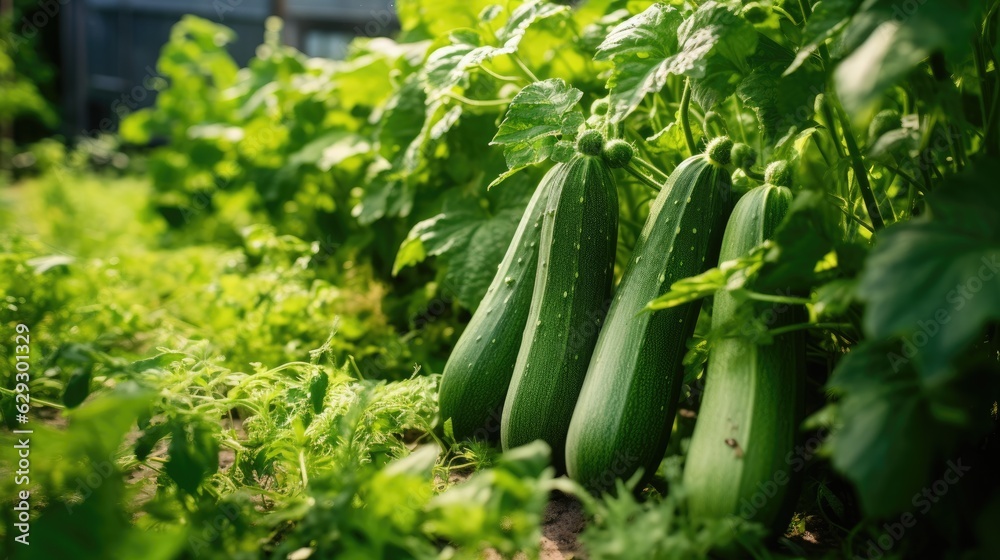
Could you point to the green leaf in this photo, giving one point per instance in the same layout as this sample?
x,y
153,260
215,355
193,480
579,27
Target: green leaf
x,y
317,391
936,281
808,233
150,437
639,48
780,102
886,443
501,507
712,48
41,265
194,455
385,197
448,66
828,17
329,150
888,40
102,422
897,428
78,387
471,236
537,115
403,118
696,287
834,298
523,17
160,361
425,19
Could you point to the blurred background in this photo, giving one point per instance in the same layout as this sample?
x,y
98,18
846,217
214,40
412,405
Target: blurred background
x,y
76,67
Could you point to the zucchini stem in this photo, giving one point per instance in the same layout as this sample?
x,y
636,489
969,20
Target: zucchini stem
x,y
642,177
787,15
686,119
755,175
652,169
805,326
860,172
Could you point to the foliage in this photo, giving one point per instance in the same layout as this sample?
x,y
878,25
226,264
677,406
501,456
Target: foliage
x,y
187,341
199,418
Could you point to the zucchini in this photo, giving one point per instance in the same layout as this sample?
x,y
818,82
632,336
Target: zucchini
x,y
478,371
624,415
738,460
572,290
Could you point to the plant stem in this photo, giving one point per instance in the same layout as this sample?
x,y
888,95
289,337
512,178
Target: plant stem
x,y
860,173
853,218
500,77
655,171
738,111
980,61
822,152
685,119
782,11
831,128
524,68
642,177
756,176
805,326
806,9
902,174
757,296
478,102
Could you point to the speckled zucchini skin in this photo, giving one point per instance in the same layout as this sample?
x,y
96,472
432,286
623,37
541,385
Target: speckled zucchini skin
x,y
625,411
571,293
478,371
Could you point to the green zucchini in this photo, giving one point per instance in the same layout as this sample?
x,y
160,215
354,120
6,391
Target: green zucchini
x,y
572,290
739,461
625,411
478,371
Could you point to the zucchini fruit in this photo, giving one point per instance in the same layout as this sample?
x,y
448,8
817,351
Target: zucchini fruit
x,y
625,411
478,371
572,289
738,460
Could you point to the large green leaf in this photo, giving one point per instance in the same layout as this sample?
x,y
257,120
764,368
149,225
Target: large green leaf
x,y
936,281
888,39
710,47
897,428
887,442
471,235
780,102
639,48
537,115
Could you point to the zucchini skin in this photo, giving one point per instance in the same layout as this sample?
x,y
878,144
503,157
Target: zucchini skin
x,y
738,462
625,411
476,376
571,294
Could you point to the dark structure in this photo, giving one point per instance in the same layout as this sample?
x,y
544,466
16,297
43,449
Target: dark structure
x,y
109,47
